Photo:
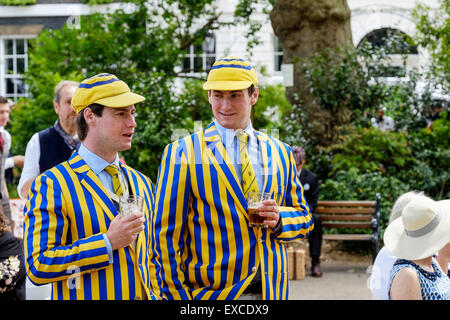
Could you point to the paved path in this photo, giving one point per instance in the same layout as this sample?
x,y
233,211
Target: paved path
x,y
340,281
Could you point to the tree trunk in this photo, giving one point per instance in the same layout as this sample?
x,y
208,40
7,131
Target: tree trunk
x,y
304,28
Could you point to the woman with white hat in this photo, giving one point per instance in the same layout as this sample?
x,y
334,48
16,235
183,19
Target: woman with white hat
x,y
381,271
414,238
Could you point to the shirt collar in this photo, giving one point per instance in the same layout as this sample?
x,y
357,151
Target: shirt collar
x,y
96,163
227,135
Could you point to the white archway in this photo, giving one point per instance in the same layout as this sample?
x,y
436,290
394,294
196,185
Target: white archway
x,y
371,17
365,18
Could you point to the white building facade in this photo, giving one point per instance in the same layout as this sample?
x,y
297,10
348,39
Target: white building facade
x,y
20,23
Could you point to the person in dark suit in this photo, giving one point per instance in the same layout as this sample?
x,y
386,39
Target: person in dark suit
x,y
310,184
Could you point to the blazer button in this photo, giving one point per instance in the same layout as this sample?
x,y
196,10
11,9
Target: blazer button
x,y
254,269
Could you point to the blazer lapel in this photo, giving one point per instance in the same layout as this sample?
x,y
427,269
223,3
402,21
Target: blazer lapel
x,y
269,155
134,190
91,182
219,157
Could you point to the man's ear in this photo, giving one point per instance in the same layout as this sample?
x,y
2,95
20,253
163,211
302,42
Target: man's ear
x,y
89,116
56,107
254,96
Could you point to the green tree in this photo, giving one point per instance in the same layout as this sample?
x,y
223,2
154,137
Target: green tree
x,y
433,33
142,47
306,28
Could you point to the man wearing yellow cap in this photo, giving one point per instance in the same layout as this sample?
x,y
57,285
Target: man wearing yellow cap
x,y
205,247
74,236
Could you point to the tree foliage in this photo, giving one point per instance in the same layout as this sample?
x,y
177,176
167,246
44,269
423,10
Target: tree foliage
x,y
433,33
145,45
141,46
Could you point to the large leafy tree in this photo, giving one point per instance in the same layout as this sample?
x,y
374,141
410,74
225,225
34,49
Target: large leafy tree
x,y
306,28
142,46
433,33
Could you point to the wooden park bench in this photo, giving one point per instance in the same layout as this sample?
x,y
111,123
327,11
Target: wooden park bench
x,y
355,216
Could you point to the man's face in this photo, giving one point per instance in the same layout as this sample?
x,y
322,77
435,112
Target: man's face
x,y
114,130
4,114
63,108
380,114
232,109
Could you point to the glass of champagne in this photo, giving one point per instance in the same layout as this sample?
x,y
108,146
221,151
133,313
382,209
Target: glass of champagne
x,y
131,203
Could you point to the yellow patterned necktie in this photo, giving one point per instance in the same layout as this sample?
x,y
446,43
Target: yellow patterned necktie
x,y
249,183
114,172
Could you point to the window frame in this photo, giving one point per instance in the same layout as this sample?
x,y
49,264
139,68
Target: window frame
x,y
203,55
14,56
277,54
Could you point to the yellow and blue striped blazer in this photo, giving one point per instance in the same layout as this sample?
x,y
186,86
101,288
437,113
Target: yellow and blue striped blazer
x,y
204,247
66,214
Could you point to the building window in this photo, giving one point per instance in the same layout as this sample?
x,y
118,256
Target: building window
x,y
14,58
395,41
278,54
200,57
398,45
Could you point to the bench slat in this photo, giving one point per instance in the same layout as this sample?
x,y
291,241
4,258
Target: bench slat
x,y
355,237
328,203
346,225
341,217
345,210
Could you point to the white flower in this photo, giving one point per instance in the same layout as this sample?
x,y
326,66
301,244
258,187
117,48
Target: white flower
x,y
14,263
9,267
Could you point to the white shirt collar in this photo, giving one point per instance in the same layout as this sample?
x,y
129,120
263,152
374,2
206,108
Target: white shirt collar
x,y
96,163
228,135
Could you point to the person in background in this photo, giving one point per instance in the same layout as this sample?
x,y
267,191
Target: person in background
x,y
53,145
381,121
5,144
414,238
443,258
12,270
11,161
437,108
382,266
310,183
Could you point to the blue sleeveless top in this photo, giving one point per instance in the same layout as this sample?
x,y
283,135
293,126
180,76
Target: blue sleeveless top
x,y
433,285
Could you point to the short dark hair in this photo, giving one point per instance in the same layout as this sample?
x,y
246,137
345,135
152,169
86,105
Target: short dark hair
x,y
82,126
3,100
251,89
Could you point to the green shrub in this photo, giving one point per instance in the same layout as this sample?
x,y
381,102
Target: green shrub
x,y
17,2
371,150
431,150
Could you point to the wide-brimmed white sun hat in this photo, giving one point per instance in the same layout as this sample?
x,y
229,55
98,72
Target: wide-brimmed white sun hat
x,y
421,231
